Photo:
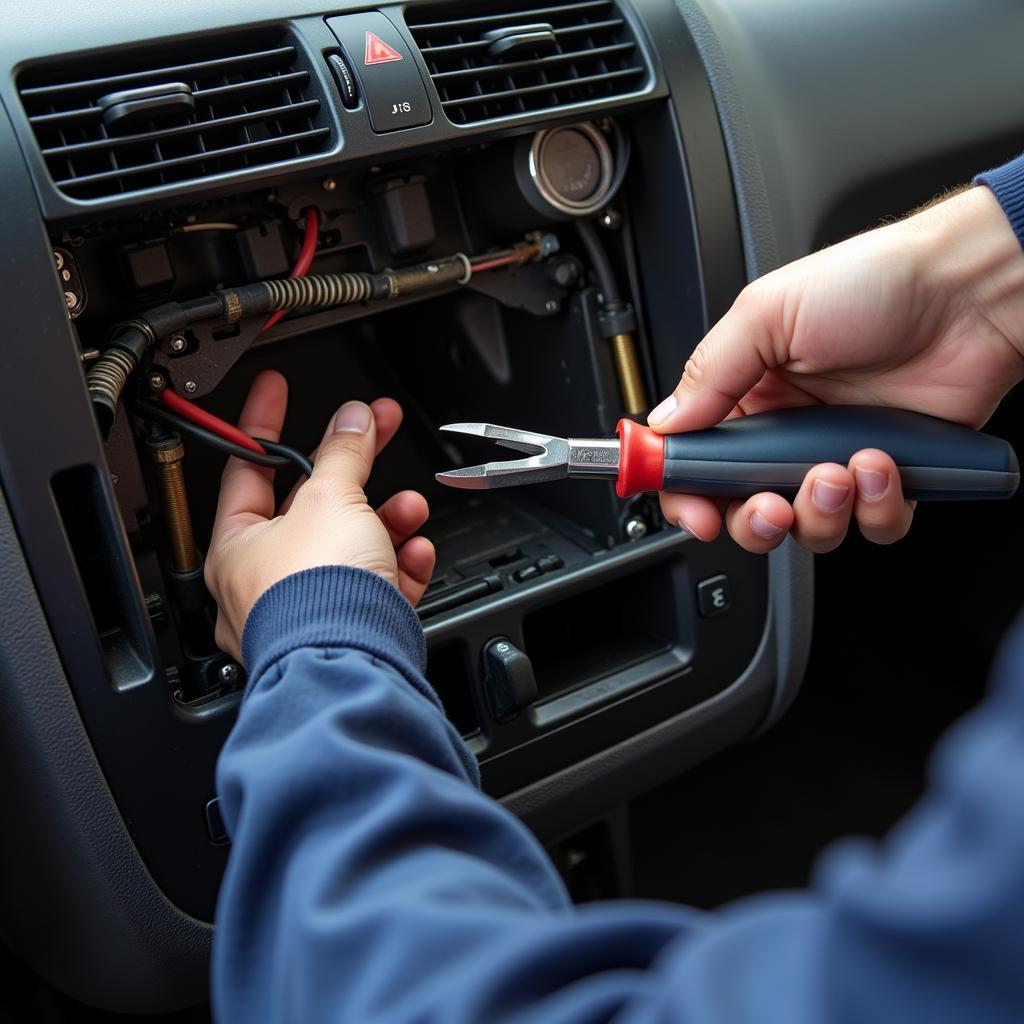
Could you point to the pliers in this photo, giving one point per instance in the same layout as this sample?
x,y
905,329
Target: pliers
x,y
770,451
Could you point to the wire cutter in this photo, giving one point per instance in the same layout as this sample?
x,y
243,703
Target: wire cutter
x,y
769,451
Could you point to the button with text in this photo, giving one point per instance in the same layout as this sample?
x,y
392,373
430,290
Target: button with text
x,y
391,82
714,596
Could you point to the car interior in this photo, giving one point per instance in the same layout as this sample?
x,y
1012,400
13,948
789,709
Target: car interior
x,y
522,212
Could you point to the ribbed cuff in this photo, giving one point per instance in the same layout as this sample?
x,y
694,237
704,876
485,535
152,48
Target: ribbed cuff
x,y
1007,183
334,606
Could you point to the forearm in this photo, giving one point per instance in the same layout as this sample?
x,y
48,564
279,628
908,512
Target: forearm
x,y
968,246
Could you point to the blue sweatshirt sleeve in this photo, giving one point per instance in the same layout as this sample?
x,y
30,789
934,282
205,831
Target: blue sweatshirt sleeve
x,y
371,881
1007,183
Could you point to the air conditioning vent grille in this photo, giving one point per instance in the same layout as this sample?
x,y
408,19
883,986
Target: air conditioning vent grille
x,y
586,51
253,105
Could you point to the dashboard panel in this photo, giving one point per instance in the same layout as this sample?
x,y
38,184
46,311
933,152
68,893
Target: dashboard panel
x,y
175,156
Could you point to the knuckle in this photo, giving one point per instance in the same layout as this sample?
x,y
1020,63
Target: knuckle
x,y
343,445
328,492
696,369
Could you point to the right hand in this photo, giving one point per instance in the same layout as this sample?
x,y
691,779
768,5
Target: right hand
x,y
925,314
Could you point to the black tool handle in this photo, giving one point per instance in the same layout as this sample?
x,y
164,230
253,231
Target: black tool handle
x,y
772,451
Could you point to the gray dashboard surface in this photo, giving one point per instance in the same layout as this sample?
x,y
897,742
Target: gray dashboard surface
x,y
819,98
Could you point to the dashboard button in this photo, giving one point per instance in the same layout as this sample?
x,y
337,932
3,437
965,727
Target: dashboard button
x,y
714,596
392,86
346,81
509,679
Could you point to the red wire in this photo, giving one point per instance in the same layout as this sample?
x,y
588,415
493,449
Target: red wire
x,y
183,407
302,264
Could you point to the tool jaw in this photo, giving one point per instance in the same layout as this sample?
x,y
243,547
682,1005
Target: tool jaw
x,y
548,458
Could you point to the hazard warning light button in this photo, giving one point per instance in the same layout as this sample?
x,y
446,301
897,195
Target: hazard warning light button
x,y
391,82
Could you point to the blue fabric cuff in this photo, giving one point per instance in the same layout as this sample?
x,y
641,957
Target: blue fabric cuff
x,y
334,606
1007,183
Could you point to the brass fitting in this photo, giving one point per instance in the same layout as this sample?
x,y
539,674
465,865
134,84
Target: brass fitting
x,y
167,456
627,366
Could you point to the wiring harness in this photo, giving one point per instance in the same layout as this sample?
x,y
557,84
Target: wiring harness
x,y
132,341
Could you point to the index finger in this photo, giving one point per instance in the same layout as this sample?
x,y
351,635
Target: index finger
x,y
732,358
247,491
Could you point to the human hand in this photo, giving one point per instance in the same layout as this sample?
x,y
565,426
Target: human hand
x,y
925,314
325,521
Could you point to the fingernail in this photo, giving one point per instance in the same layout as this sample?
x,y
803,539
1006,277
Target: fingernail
x,y
871,485
681,523
662,412
352,418
762,527
828,497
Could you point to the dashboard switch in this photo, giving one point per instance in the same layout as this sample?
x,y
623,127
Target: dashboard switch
x,y
509,679
346,81
391,82
714,596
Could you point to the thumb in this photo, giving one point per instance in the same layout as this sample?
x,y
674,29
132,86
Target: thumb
x,y
346,453
730,360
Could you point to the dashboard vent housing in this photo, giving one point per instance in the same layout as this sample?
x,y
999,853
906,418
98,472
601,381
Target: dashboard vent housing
x,y
167,114
499,58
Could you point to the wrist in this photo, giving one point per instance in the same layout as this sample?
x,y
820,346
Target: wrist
x,y
973,256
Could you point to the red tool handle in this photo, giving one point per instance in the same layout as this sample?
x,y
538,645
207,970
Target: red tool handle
x,y
641,459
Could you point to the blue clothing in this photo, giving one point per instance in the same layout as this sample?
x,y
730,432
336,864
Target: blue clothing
x,y
372,882
1007,182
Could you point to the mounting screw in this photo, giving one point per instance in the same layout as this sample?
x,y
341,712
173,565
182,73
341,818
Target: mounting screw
x,y
178,343
191,386
329,184
636,528
611,219
228,673
114,478
157,382
551,306
563,273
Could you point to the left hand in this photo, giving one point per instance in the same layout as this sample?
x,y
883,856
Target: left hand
x,y
325,521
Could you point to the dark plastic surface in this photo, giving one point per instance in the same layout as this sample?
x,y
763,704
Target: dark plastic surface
x,y
128,946
772,452
391,83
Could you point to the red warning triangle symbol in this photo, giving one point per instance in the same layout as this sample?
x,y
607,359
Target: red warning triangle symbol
x,y
378,52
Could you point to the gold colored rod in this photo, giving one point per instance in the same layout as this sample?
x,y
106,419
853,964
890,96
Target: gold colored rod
x,y
631,380
167,457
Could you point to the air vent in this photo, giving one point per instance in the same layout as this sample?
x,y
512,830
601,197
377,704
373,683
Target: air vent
x,y
168,116
497,58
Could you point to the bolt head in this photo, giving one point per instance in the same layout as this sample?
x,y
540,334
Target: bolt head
x,y
329,184
611,219
156,381
228,673
191,386
551,306
178,343
636,528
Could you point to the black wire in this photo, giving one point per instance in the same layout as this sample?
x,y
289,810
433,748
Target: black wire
x,y
596,252
281,457
601,264
292,454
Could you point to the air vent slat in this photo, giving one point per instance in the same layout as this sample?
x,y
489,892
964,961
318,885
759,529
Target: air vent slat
x,y
255,104
169,73
523,65
528,90
482,71
170,133
534,14
209,154
483,44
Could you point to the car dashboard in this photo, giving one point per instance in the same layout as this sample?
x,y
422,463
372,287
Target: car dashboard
x,y
559,198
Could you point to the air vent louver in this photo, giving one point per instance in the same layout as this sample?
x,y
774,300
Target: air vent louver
x,y
253,105
562,54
